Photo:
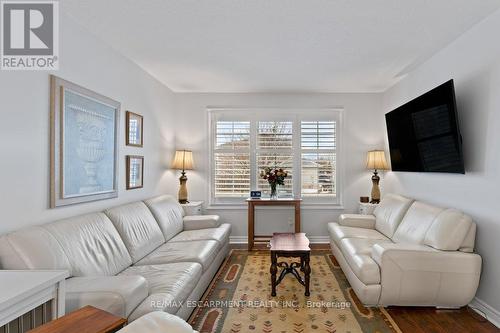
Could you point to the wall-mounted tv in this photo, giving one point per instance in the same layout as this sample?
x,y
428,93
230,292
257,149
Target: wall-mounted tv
x,y
424,135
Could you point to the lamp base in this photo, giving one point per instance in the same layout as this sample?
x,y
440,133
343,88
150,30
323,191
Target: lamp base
x,y
375,188
183,192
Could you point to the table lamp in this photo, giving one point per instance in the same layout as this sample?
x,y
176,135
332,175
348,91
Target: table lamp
x,y
183,160
376,160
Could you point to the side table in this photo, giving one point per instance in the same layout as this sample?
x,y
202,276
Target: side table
x,y
193,208
87,319
252,238
366,208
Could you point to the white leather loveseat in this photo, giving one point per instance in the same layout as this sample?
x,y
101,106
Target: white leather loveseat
x,y
129,260
408,253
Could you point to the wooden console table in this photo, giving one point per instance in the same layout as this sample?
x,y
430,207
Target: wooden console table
x,y
268,202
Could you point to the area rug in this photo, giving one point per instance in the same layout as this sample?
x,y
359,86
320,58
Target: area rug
x,y
239,300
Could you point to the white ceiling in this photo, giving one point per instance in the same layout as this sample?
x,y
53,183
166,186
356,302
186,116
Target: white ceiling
x,y
278,45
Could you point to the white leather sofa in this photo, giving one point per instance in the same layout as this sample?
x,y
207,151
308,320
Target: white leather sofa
x,y
129,260
408,253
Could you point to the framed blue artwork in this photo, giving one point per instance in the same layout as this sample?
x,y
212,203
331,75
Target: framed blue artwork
x,y
84,144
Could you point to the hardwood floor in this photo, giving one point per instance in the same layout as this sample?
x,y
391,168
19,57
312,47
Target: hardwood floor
x,y
432,320
425,319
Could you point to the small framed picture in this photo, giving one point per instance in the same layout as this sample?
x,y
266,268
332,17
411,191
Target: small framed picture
x,y
134,127
135,172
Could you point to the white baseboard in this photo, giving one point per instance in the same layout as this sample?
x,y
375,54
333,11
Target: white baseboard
x,y
486,310
319,239
312,239
238,240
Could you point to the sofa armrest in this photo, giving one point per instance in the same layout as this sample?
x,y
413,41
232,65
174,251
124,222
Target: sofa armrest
x,y
119,295
158,322
357,220
194,222
413,257
421,275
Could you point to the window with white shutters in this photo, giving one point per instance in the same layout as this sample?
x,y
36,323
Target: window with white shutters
x,y
232,159
301,142
275,151
318,159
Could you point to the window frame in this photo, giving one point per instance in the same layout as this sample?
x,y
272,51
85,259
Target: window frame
x,y
296,115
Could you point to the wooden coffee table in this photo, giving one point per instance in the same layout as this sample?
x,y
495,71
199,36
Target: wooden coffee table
x,y
85,320
290,245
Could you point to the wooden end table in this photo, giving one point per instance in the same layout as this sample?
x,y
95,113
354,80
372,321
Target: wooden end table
x,y
290,245
85,320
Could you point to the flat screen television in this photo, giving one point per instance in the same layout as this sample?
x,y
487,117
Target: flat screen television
x,y
424,135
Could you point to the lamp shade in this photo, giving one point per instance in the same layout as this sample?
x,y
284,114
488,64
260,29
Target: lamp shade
x,y
183,160
375,159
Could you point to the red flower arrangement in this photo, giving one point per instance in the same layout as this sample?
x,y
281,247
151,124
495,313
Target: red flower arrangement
x,y
274,177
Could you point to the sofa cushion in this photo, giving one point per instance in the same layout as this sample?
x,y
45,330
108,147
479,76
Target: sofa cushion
x,y
169,213
119,295
195,222
169,285
416,222
32,248
357,253
360,245
92,245
220,234
357,220
137,227
338,232
390,212
449,230
202,252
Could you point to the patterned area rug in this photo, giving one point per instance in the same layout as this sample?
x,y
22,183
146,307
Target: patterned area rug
x,y
239,300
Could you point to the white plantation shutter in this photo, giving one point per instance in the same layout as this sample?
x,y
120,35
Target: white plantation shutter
x,y
275,135
301,142
275,150
232,159
318,158
318,134
233,135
